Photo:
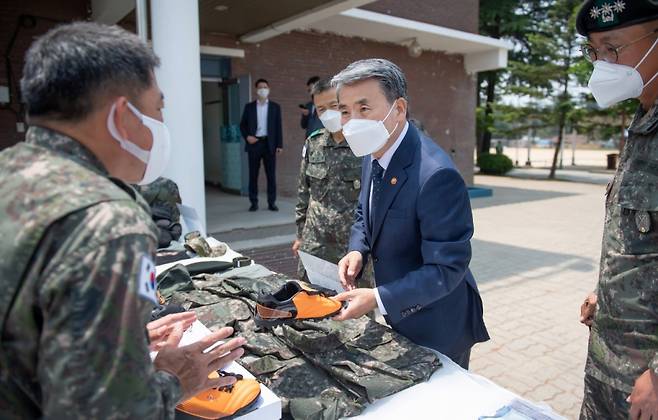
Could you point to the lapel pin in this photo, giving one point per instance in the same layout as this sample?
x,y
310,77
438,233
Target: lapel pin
x,y
394,181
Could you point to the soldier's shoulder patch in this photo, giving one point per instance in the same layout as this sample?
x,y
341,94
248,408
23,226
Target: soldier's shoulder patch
x,y
316,133
146,286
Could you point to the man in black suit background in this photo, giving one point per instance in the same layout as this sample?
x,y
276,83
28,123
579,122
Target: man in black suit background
x,y
310,121
261,128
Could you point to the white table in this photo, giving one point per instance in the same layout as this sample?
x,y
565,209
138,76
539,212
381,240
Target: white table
x,y
451,393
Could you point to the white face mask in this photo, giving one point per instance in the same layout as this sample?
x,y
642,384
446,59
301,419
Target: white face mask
x,y
367,136
263,93
157,158
612,83
331,120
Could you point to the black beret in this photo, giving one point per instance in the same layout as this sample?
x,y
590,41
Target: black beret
x,y
606,15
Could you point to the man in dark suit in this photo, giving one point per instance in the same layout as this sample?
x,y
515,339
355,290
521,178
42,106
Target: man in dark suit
x,y
261,129
310,121
413,219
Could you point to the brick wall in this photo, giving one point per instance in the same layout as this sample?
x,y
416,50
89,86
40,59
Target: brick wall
x,y
441,94
50,13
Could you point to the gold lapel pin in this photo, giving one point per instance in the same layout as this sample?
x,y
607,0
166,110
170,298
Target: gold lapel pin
x,y
394,181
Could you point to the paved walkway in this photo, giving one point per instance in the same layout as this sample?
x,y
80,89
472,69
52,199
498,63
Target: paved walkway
x,y
535,256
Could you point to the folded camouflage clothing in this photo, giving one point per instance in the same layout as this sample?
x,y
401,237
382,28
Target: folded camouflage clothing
x,y
320,369
162,196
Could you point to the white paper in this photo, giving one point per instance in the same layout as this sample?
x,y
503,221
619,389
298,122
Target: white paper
x,y
321,272
190,220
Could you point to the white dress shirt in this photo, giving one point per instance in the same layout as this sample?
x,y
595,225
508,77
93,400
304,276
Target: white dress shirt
x,y
261,115
384,161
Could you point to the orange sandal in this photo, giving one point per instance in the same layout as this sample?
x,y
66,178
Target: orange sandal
x,y
225,402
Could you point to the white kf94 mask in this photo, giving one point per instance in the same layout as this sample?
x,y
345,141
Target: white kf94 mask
x,y
367,136
331,120
612,83
157,158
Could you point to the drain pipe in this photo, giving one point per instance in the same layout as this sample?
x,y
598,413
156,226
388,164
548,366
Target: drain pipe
x,y
141,17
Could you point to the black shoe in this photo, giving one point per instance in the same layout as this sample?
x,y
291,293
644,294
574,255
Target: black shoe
x,y
273,207
254,207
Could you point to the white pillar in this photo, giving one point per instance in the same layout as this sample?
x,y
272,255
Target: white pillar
x,y
175,32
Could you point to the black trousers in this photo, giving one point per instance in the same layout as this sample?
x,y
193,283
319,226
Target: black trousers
x,y
463,359
258,152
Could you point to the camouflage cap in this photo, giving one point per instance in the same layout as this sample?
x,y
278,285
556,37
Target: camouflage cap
x,y
606,15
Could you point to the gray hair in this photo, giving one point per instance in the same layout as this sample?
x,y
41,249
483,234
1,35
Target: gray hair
x,y
321,86
391,79
70,67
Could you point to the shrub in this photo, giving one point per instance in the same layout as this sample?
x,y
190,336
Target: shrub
x,y
495,164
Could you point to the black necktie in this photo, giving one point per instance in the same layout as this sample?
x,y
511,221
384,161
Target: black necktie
x,y
377,178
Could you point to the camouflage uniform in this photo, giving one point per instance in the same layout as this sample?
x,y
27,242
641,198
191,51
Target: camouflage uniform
x,y
73,342
624,336
328,193
162,196
322,370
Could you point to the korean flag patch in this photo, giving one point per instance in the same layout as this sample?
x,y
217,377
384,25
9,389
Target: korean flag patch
x,y
147,282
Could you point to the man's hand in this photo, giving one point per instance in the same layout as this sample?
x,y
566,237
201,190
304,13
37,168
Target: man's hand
x,y
360,302
192,366
644,398
295,247
160,329
348,268
279,150
588,309
252,140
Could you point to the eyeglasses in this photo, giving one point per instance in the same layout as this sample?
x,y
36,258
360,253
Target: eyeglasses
x,y
608,52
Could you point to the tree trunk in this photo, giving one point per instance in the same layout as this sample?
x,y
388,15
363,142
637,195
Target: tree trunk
x,y
560,138
485,146
565,95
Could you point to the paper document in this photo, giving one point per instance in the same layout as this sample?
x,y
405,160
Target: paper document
x,y
321,272
190,219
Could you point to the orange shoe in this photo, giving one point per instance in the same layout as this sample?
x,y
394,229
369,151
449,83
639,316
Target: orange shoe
x,y
220,403
293,302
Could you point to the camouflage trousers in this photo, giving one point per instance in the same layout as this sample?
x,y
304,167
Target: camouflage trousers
x,y
601,401
321,370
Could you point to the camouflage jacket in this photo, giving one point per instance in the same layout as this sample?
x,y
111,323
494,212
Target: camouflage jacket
x,y
624,337
328,193
73,342
322,370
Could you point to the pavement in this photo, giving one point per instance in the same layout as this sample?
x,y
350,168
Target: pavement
x,y
535,256
229,220
536,251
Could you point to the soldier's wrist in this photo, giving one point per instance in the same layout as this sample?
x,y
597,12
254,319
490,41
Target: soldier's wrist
x,y
174,380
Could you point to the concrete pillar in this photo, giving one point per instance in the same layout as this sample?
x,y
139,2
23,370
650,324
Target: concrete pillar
x,y
175,34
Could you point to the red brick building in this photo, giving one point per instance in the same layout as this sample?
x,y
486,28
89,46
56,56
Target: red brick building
x,y
284,41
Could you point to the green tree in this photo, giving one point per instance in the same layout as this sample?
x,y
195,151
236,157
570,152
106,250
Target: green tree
x,y
513,20
562,53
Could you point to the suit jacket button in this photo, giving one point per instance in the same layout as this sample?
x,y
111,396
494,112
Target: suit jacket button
x,y
375,259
